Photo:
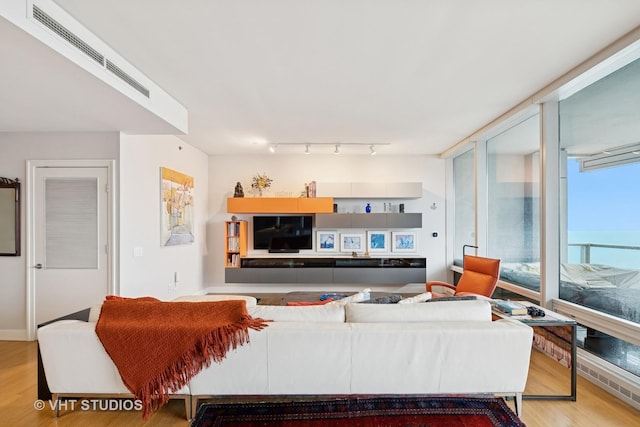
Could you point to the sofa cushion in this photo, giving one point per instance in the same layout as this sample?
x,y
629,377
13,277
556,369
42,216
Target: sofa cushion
x,y
444,311
94,313
311,313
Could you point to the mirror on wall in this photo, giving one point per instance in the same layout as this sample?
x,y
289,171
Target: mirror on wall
x,y
9,217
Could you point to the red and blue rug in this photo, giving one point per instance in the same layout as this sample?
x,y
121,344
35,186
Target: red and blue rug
x,y
362,412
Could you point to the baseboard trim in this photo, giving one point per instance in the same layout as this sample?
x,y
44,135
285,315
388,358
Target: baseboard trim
x,y
614,380
13,335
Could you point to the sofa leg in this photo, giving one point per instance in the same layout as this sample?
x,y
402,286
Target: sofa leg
x,y
187,406
194,406
55,399
518,403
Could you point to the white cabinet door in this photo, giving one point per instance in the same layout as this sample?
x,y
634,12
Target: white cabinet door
x,y
333,189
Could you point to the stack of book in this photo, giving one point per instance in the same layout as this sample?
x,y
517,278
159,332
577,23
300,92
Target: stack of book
x,y
511,308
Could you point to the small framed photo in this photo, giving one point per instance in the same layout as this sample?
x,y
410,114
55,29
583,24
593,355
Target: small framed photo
x,y
326,241
403,241
352,242
377,241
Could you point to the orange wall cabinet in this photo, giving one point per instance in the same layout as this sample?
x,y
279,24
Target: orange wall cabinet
x,y
281,205
315,205
235,242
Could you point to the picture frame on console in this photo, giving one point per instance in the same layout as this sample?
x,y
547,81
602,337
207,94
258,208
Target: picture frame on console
x,y
352,242
403,241
326,241
377,241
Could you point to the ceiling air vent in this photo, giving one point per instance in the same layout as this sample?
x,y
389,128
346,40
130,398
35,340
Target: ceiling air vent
x,y
127,78
40,16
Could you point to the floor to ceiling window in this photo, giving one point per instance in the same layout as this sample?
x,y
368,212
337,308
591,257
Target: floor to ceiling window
x,y
600,265
464,203
557,196
513,193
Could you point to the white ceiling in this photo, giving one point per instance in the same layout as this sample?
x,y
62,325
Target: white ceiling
x,y
418,75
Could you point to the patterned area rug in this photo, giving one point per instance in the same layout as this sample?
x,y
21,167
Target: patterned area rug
x,y
361,412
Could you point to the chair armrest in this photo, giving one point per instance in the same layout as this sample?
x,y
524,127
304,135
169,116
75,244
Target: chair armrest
x,y
441,287
471,294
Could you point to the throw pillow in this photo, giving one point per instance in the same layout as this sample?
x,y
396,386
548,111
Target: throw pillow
x,y
299,303
363,295
463,298
387,299
418,298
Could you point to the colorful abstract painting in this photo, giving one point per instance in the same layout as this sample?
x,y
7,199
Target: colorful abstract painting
x,y
177,208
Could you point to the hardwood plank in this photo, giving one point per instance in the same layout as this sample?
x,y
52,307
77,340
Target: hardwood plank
x,y
18,392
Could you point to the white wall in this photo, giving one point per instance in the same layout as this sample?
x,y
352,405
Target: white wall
x,y
200,265
16,149
291,172
152,273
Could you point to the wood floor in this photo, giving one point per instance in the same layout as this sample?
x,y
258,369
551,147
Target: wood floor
x,y
18,391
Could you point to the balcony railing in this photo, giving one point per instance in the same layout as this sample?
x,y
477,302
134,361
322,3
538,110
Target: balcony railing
x,y
585,249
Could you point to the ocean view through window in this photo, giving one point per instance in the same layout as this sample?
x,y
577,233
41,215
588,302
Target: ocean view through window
x,y
600,245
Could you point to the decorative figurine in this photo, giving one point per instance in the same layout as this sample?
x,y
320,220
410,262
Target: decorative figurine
x,y
239,192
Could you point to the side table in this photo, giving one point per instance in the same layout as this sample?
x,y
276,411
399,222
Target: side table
x,y
550,319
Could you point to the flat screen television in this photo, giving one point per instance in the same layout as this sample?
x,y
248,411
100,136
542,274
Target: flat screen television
x,y
283,233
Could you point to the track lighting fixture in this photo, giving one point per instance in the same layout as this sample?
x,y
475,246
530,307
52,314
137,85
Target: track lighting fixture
x,y
327,147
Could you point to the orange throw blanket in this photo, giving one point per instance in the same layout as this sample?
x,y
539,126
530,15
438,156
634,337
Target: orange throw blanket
x,y
159,346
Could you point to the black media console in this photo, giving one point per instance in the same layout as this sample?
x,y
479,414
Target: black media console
x,y
339,270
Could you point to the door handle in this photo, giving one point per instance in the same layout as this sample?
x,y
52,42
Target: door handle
x,y
38,266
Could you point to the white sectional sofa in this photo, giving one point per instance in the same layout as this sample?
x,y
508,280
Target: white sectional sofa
x,y
450,347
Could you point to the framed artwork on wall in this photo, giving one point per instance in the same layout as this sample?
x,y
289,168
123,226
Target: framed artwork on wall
x,y
176,209
403,241
377,241
352,242
326,241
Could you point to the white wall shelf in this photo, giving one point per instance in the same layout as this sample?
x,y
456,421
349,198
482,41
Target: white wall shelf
x,y
369,190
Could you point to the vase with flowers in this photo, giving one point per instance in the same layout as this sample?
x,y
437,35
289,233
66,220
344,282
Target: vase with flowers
x,y
260,182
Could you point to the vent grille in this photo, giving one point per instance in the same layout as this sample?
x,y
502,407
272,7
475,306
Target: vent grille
x,y
628,394
71,38
127,78
40,16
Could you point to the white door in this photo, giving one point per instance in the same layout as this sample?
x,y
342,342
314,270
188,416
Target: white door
x,y
70,238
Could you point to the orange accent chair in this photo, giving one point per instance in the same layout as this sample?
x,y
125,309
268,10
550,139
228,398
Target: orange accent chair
x,y
479,277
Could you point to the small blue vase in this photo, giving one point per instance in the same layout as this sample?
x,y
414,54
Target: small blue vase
x,y
367,208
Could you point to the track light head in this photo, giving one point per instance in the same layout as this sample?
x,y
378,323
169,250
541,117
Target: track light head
x,y
337,150
372,150
272,148
306,149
